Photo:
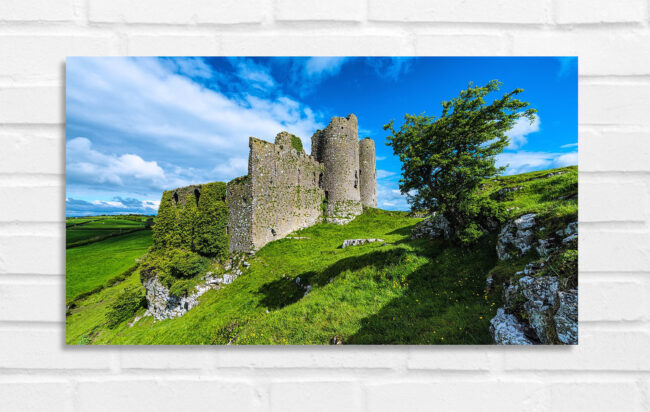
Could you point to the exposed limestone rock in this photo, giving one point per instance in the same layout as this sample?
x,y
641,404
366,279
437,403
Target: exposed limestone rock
x,y
517,237
532,268
566,318
540,294
544,247
433,227
507,330
503,193
357,242
162,305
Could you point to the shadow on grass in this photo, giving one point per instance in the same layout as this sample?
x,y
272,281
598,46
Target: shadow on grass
x,y
443,302
285,291
403,231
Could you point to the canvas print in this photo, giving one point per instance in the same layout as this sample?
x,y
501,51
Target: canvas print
x,y
321,200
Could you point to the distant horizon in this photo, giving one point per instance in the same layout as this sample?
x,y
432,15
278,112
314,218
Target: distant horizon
x,y
138,126
156,213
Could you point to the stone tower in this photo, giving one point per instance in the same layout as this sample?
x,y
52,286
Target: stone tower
x,y
337,148
367,173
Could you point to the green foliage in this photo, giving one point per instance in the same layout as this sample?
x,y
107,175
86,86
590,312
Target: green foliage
x,y
124,307
296,143
200,228
210,238
173,268
445,159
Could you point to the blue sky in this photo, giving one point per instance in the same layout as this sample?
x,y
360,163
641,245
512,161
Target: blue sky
x,y
138,126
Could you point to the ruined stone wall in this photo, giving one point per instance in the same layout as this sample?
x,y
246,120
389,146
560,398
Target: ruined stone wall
x,y
285,190
240,206
337,148
284,187
193,218
367,172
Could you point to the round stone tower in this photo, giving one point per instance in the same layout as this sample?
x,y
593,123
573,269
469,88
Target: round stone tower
x,y
367,172
337,148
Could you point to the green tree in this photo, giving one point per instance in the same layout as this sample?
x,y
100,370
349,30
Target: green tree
x,y
445,159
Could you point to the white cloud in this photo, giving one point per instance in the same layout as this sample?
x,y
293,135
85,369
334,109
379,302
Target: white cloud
x,y
566,146
234,167
381,158
519,133
191,66
86,165
523,161
256,75
382,174
117,206
323,66
153,127
567,159
389,196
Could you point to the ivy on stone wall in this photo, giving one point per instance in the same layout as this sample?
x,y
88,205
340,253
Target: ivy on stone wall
x,y
195,222
296,143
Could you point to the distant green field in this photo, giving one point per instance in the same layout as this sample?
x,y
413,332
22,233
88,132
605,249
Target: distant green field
x,y
111,223
90,266
96,228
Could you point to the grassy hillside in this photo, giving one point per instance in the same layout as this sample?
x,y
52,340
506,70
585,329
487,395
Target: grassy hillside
x,y
90,266
403,291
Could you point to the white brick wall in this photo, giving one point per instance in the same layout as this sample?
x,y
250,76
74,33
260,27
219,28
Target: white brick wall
x,y
609,370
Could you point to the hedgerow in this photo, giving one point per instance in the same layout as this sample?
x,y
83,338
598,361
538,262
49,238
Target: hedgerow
x,y
124,307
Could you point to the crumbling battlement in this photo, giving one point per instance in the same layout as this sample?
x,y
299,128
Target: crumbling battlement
x,y
286,189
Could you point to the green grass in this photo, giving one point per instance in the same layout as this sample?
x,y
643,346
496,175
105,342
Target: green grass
x,y
81,231
90,266
111,224
554,198
406,291
403,292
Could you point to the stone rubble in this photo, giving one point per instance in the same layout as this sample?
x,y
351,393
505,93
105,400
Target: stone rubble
x,y
433,227
358,242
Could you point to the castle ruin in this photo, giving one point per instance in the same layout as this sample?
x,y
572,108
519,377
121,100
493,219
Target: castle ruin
x,y
286,189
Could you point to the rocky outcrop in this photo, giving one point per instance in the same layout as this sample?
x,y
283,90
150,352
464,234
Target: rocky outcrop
x,y
163,305
566,317
551,316
433,227
540,294
534,304
517,237
507,330
358,242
